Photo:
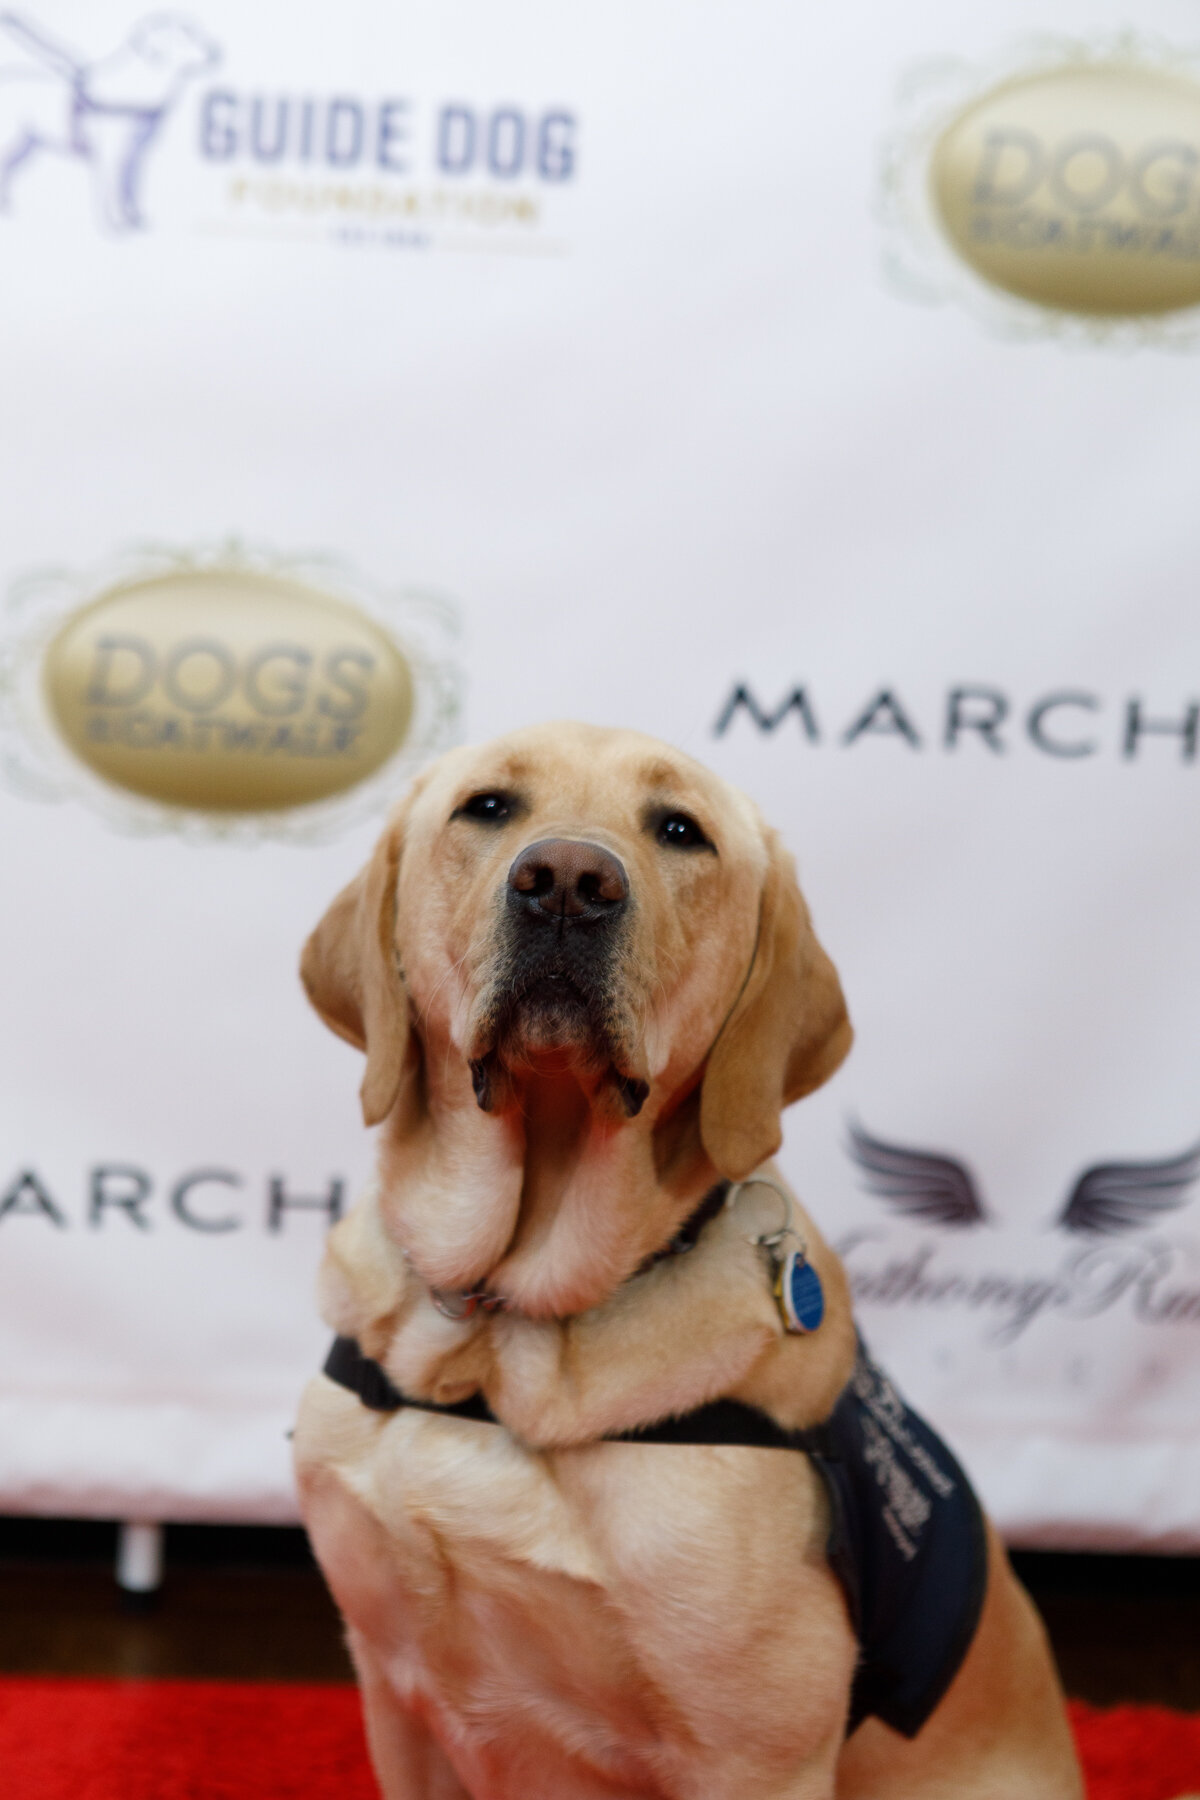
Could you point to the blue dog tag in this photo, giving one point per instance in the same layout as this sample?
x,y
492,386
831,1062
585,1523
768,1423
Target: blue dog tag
x,y
799,1293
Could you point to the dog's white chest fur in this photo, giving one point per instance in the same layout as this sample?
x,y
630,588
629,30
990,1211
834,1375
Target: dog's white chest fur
x,y
587,1612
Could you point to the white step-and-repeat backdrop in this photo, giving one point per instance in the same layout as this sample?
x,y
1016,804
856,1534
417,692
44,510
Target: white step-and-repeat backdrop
x,y
816,387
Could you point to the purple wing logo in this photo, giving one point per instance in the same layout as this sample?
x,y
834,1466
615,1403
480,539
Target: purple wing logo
x,y
922,1185
105,113
1112,1198
1108,1200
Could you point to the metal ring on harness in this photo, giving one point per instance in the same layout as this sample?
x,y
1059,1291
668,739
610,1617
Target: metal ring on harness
x,y
465,1304
770,1240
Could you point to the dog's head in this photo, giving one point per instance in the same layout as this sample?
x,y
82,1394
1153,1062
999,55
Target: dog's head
x,y
570,903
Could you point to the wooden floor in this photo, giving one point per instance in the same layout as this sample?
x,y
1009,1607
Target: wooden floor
x,y
239,1604
247,1604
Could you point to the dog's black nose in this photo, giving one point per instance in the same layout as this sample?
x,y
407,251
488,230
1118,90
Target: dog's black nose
x,y
566,878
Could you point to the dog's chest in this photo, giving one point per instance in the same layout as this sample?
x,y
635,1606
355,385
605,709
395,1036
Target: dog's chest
x,y
604,1607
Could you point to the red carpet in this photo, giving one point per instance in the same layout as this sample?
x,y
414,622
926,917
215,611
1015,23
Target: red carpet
x,y
66,1739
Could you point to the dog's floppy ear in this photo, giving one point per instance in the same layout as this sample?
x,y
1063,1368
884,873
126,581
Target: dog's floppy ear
x,y
787,1033
350,973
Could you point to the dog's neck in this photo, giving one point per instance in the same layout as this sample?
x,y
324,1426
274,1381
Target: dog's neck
x,y
551,1202
686,1330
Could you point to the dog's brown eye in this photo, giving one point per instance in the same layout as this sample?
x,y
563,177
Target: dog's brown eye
x,y
680,832
491,808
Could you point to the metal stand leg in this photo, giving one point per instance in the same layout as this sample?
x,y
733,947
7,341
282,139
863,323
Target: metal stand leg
x,y
139,1564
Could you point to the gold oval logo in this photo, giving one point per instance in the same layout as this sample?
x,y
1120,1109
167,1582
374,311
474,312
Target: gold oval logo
x,y
228,690
1079,188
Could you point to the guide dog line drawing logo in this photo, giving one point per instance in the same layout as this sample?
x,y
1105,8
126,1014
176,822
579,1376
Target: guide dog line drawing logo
x,y
107,113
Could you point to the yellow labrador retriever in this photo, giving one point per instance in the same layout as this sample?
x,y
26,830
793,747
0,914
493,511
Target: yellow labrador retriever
x,y
580,1472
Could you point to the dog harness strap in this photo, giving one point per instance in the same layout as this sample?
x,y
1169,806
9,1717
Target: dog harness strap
x,y
906,1535
347,1365
720,1422
726,1422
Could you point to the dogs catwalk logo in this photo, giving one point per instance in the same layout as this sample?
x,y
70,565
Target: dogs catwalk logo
x,y
107,114
1116,1216
1054,189
225,692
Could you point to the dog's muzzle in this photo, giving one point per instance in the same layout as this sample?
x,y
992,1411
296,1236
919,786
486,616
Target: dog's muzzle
x,y
564,902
